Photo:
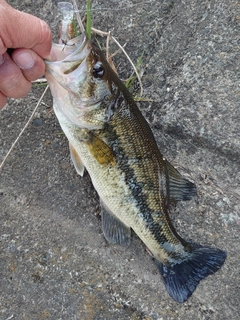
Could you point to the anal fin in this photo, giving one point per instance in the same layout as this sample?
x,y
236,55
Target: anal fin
x,y
114,230
180,188
76,160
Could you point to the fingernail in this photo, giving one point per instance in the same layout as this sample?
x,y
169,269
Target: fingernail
x,y
1,59
24,60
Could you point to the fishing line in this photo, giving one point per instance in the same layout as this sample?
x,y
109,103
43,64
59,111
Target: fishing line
x,y
116,9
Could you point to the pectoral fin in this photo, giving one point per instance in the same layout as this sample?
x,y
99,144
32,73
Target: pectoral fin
x,y
101,151
76,160
115,231
179,187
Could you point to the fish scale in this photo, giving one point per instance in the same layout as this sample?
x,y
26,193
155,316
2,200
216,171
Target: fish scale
x,y
109,137
145,171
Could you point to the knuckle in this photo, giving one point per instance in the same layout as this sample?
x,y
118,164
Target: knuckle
x,y
36,71
12,82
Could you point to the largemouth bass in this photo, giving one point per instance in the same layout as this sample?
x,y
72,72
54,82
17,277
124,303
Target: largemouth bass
x,y
109,137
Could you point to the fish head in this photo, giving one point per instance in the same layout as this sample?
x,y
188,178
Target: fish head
x,y
79,80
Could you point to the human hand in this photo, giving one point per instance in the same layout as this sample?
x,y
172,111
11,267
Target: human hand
x,y
32,39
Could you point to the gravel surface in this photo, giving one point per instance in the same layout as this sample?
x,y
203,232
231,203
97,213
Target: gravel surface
x,y
54,261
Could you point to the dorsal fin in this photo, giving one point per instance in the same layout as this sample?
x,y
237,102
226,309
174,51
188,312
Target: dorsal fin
x,y
180,188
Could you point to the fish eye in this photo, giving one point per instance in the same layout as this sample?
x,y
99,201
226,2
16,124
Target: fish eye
x,y
98,70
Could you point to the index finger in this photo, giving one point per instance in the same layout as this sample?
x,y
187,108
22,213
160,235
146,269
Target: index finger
x,y
22,30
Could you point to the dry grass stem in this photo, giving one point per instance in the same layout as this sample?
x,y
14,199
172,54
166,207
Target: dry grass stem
x,y
107,45
79,20
134,68
101,33
108,34
24,128
41,80
118,51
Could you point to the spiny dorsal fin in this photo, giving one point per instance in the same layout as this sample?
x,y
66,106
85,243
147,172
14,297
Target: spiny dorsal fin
x,y
115,231
76,160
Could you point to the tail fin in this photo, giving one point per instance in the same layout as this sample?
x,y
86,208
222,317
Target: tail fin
x,y
182,277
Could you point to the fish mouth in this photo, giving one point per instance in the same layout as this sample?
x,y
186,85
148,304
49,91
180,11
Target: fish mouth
x,y
71,48
67,57
68,76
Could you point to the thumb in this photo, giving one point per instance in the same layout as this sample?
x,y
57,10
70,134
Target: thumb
x,y
22,30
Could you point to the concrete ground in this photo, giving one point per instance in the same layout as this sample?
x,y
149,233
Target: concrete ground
x,y
54,261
